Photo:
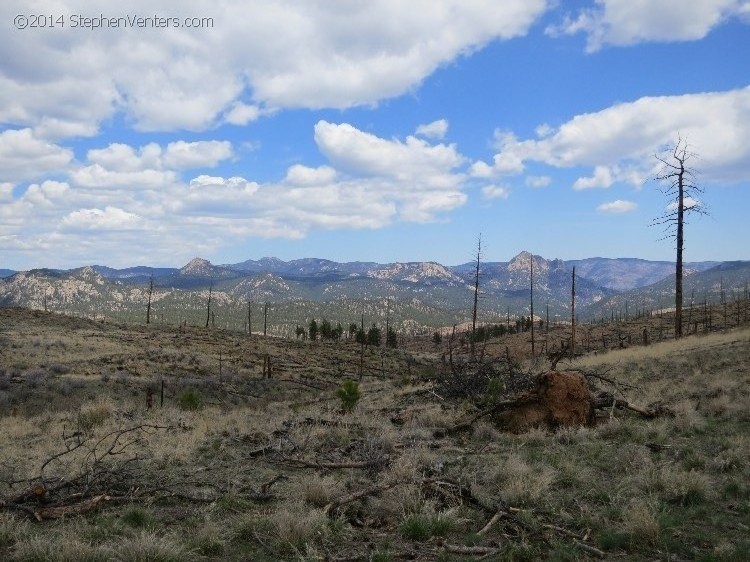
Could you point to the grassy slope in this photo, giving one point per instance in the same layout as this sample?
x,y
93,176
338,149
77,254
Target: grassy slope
x,y
635,488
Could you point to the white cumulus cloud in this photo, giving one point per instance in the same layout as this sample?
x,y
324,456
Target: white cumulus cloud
x,y
200,154
627,22
619,142
415,160
23,156
617,207
109,218
495,192
602,178
435,130
256,57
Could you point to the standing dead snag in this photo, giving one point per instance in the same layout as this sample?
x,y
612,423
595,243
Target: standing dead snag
x,y
476,298
208,305
683,193
573,315
148,306
531,298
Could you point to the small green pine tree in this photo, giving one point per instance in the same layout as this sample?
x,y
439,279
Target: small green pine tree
x,y
349,394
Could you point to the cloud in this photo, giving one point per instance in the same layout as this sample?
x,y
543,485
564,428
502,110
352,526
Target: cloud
x,y
617,207
435,130
602,178
275,54
23,156
619,142
303,175
99,176
426,166
123,166
201,154
242,114
628,22
495,192
538,181
6,191
109,218
136,197
688,204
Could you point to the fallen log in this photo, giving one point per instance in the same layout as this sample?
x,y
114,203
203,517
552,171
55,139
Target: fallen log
x,y
607,400
66,510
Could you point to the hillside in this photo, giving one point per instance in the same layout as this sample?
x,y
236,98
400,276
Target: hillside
x,y
630,273
726,282
236,465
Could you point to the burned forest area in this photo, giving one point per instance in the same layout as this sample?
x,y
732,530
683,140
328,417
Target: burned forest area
x,y
156,442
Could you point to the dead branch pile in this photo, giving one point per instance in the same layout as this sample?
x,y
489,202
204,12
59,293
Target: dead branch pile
x,y
483,381
91,471
516,401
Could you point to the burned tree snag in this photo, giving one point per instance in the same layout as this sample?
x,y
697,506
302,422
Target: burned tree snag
x,y
573,315
476,298
678,180
208,305
148,306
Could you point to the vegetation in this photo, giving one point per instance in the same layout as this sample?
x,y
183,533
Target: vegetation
x,y
269,469
349,394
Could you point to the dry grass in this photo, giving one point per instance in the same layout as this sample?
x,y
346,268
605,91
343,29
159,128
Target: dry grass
x,y
641,489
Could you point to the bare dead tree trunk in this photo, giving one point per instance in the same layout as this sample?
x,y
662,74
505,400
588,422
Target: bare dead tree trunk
x,y
573,315
208,306
680,242
249,319
265,319
531,294
476,298
683,193
362,346
148,306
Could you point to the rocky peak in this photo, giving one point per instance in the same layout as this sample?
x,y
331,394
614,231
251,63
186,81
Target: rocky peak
x,y
197,266
521,262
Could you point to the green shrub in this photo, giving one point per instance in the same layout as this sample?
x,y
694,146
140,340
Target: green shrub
x,y
349,394
190,399
137,518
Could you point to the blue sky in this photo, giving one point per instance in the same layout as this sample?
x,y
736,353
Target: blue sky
x,y
380,131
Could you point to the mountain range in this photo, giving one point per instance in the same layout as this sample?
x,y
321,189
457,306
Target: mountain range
x,y
414,295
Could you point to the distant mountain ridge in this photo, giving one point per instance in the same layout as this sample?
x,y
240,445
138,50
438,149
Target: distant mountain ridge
x,y
415,293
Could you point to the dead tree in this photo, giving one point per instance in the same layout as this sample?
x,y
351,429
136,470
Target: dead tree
x,y
573,315
476,298
148,306
249,319
265,319
679,186
531,296
208,305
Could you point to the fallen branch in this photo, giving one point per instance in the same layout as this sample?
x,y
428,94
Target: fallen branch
x,y
300,463
371,491
521,399
66,510
495,518
606,400
590,549
471,550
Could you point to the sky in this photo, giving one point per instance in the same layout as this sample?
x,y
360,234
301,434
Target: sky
x,y
152,132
